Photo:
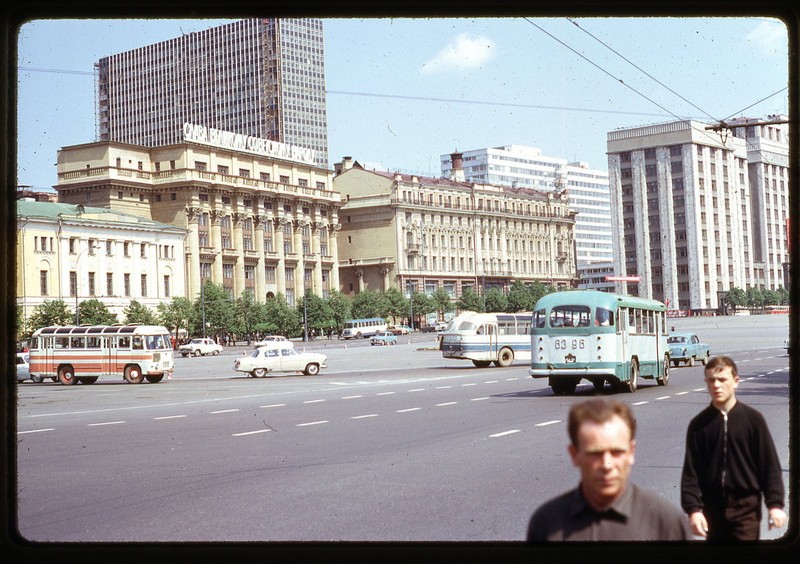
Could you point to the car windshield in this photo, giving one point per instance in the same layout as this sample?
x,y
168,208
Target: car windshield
x,y
676,340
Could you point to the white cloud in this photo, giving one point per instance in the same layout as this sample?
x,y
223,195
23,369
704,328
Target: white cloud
x,y
768,36
461,54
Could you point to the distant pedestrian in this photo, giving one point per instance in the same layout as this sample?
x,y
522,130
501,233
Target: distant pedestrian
x,y
605,506
730,463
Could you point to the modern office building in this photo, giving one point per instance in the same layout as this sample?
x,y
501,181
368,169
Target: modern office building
x,y
587,191
259,215
419,234
697,212
73,252
263,78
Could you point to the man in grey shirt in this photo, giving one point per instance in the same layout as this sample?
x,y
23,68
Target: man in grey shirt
x,y
605,506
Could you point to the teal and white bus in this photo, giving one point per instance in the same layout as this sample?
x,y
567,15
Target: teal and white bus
x,y
601,337
360,328
485,338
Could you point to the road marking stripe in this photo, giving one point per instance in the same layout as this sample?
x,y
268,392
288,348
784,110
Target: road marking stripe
x,y
352,397
470,384
699,390
168,417
443,387
314,401
409,409
504,433
384,394
662,398
417,390
273,405
34,431
546,423
511,379
106,423
311,423
364,416
640,402
479,399
446,403
681,393
251,433
224,411
491,382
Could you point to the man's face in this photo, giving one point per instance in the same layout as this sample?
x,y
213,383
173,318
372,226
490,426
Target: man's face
x,y
722,386
604,455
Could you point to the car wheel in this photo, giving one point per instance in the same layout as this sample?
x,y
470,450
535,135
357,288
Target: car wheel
x,y
197,352
675,363
184,355
706,358
259,372
215,353
312,370
690,362
37,379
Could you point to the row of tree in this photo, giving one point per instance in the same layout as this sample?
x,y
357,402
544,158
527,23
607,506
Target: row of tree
x,y
246,318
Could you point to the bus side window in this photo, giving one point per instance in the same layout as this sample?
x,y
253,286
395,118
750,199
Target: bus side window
x,y
123,342
604,317
77,343
93,342
61,343
137,343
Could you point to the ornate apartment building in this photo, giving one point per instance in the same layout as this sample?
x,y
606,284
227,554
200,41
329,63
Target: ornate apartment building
x,y
696,212
418,234
259,215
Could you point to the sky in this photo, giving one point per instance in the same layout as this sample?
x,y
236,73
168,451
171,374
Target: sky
x,y
403,92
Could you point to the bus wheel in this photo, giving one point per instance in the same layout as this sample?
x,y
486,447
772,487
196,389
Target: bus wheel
x,y
482,363
358,335
133,375
562,387
259,372
66,375
505,357
37,379
87,379
664,380
155,378
633,382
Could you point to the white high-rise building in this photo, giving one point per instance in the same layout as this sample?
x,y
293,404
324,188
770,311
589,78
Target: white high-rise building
x,y
587,190
262,78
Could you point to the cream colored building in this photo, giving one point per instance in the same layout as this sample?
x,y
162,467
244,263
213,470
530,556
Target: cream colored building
x,y
73,253
260,215
419,234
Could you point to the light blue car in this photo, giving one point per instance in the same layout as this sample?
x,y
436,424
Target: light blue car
x,y
383,338
686,347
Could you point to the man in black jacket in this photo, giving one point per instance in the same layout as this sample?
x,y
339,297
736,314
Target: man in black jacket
x,y
730,463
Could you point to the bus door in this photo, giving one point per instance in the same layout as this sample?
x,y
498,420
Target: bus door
x,y
623,334
109,356
490,330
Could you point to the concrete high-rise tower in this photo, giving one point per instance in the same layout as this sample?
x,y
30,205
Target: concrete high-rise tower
x,y
259,77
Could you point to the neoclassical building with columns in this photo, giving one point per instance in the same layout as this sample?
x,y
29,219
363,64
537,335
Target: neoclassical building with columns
x,y
259,215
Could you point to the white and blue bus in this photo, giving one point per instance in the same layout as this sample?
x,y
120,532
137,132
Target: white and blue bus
x,y
359,328
601,337
485,338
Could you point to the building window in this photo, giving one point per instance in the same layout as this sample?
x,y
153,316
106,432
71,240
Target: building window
x,y
269,274
166,286
143,250
73,243
43,283
73,284
144,285
127,283
109,283
91,284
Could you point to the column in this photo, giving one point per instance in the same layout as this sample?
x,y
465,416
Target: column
x,y
192,253
261,285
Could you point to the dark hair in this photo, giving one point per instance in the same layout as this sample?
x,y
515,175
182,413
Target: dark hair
x,y
598,410
719,363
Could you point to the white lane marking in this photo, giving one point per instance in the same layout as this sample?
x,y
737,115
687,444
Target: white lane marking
x,y
409,409
480,399
251,433
491,382
106,423
504,433
443,387
662,398
640,402
314,401
352,397
699,390
470,384
417,390
168,417
446,403
34,431
384,394
364,416
681,393
311,423
224,411
511,379
273,405
546,423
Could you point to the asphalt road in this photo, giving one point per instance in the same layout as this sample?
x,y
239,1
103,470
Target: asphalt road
x,y
386,444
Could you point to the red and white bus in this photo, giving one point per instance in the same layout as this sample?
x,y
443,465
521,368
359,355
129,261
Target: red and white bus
x,y
84,353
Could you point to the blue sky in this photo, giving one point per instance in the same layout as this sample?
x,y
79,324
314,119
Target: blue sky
x,y
402,92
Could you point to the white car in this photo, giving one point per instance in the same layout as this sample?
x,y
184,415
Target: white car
x,y
280,357
198,347
272,339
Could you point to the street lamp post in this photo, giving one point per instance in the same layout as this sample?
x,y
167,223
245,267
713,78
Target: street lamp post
x,y
305,318
410,290
77,285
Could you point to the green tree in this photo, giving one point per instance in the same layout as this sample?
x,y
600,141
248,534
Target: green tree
x,y
370,303
771,297
736,298
469,301
95,312
423,305
341,307
442,301
539,290
398,305
248,313
283,318
785,296
319,313
520,297
22,328
137,312
755,298
217,306
175,314
51,312
496,301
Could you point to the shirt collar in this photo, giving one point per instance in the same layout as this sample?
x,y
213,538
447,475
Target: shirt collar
x,y
622,506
